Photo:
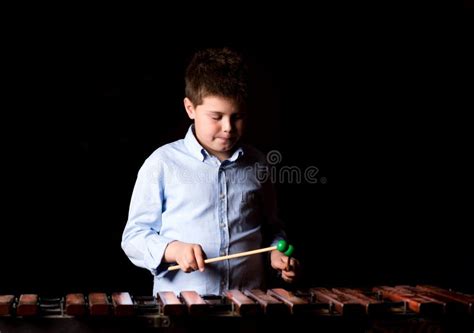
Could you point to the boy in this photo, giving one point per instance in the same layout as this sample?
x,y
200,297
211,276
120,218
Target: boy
x,y
200,197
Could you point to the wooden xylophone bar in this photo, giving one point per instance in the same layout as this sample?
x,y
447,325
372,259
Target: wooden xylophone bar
x,y
456,302
354,308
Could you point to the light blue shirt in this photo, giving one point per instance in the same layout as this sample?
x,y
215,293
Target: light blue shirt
x,y
184,193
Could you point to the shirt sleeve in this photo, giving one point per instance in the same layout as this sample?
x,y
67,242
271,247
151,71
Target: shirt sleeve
x,y
141,239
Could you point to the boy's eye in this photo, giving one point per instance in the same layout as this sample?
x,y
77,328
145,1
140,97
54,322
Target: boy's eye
x,y
216,117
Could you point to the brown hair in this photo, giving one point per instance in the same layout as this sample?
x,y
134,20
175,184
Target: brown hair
x,y
219,72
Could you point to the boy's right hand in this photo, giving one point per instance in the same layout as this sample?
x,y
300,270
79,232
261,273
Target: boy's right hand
x,y
189,257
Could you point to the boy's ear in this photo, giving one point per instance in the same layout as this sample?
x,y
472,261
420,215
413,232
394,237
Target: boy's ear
x,y
188,105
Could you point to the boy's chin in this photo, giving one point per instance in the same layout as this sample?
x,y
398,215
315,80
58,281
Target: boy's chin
x,y
224,148
227,149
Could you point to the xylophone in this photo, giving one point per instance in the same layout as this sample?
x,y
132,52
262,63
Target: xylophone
x,y
421,308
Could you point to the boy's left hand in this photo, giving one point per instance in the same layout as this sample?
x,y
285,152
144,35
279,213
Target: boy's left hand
x,y
280,262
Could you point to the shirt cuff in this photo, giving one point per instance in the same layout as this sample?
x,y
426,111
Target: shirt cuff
x,y
156,250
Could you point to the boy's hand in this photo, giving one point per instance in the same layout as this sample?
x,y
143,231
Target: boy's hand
x,y
280,262
189,257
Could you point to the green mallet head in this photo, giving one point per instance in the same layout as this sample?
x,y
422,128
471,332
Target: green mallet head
x,y
286,248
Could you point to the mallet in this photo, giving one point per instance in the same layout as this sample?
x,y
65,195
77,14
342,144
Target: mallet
x,y
282,246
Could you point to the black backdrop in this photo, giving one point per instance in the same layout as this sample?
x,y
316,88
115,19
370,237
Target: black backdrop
x,y
357,108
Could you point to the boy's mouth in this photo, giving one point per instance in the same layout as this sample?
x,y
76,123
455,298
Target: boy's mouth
x,y
226,138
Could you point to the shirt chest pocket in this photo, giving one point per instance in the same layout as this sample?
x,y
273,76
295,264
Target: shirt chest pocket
x,y
251,208
251,200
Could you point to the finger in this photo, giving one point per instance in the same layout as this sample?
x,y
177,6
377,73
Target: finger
x,y
287,277
185,267
288,274
291,266
282,263
194,266
190,263
199,256
288,263
295,262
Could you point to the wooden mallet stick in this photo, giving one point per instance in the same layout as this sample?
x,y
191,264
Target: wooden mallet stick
x,y
282,246
290,251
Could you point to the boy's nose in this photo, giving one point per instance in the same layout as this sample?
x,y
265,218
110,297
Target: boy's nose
x,y
226,125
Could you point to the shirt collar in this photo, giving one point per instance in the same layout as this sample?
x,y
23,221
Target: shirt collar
x,y
195,148
237,153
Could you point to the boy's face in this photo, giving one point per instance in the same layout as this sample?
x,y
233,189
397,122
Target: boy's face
x,y
218,124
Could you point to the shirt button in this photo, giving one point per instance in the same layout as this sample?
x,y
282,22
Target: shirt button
x,y
222,196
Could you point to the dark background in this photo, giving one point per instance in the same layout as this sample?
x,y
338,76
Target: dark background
x,y
358,105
